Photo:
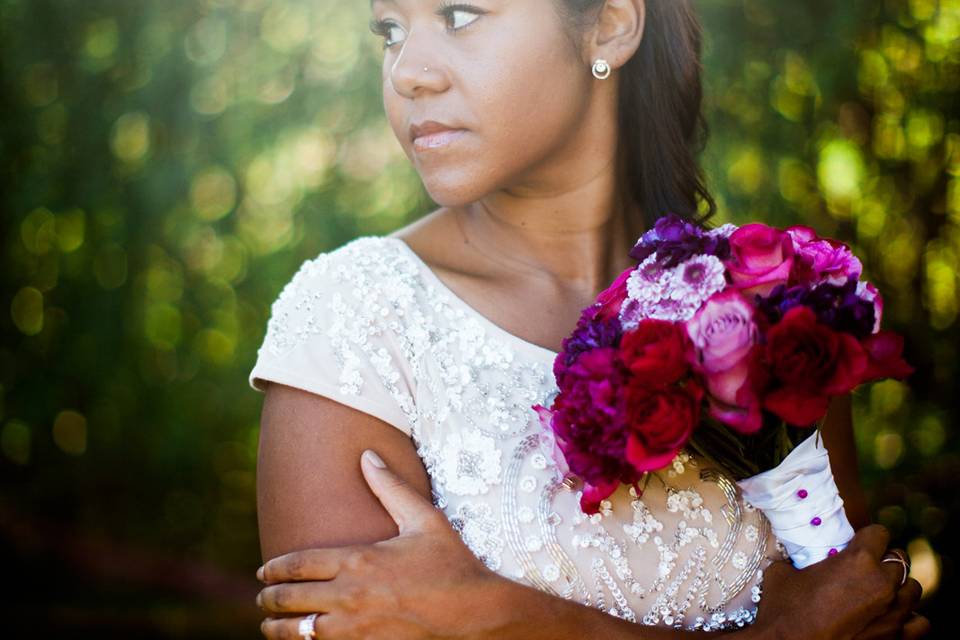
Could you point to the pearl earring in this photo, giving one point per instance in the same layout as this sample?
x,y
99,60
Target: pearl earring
x,y
600,69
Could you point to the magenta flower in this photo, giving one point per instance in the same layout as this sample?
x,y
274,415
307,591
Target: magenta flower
x,y
761,257
756,325
611,298
821,260
589,422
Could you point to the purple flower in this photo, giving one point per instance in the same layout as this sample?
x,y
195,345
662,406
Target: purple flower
x,y
837,306
673,294
591,333
676,240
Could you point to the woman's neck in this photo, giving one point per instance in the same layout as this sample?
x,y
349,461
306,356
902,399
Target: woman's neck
x,y
573,238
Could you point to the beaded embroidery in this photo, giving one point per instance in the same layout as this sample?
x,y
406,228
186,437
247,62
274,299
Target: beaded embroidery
x,y
687,553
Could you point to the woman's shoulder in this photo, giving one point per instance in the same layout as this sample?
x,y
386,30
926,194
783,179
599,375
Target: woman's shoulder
x,y
362,286
370,262
338,328
352,260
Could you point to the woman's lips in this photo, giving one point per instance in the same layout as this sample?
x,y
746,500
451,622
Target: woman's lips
x,y
437,140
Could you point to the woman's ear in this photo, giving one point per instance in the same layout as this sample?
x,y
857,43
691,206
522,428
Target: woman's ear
x,y
618,31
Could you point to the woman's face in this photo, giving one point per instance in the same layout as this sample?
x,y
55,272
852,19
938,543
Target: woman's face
x,y
502,70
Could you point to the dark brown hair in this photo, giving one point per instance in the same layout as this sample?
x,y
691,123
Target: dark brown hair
x,y
661,124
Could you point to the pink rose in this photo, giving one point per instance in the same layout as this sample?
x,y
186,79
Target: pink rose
x,y
821,259
723,334
722,331
761,258
745,414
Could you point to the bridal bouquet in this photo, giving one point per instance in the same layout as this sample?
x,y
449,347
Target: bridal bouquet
x,y
729,342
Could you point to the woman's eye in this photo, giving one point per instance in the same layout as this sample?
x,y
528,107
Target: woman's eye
x,y
454,12
389,28
383,28
450,13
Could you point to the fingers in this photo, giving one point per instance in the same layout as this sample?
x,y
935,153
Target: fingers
x,y
873,538
308,564
289,628
892,624
909,594
906,600
411,510
916,627
299,597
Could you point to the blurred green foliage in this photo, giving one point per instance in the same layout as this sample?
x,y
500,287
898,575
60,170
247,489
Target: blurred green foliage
x,y
166,166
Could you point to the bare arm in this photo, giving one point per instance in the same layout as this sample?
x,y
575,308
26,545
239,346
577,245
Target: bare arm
x,y
310,490
311,494
842,449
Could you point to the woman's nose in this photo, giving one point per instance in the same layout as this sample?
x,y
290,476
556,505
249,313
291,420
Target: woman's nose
x,y
418,68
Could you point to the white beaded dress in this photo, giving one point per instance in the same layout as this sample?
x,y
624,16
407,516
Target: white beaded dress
x,y
371,326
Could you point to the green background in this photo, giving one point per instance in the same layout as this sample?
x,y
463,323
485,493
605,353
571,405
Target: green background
x,y
166,165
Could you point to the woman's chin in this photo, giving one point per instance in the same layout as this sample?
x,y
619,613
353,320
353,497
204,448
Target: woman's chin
x,y
452,191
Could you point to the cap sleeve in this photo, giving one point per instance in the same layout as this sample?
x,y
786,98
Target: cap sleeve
x,y
333,332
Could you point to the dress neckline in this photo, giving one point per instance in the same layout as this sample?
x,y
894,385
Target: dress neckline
x,y
536,349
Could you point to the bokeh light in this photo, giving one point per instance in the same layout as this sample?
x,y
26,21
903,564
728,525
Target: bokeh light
x,y
167,166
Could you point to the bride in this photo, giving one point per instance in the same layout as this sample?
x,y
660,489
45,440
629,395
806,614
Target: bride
x,y
551,133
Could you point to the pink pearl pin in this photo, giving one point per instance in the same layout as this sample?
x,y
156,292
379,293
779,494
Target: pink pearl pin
x,y
802,494
816,521
832,552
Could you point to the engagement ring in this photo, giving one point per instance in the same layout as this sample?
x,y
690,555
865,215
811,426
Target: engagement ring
x,y
306,627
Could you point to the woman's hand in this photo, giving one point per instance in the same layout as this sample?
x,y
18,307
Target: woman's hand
x,y
852,595
423,583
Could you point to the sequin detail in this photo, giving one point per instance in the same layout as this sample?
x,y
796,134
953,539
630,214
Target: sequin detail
x,y
685,552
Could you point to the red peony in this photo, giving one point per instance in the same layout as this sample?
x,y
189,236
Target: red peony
x,y
589,421
660,421
655,352
808,363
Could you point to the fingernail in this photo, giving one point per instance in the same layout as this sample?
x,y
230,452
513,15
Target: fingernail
x,y
374,459
260,599
260,575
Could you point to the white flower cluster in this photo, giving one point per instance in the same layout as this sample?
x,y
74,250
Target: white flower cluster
x,y
670,294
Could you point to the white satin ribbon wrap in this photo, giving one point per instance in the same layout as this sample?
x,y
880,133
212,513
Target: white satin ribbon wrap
x,y
777,493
